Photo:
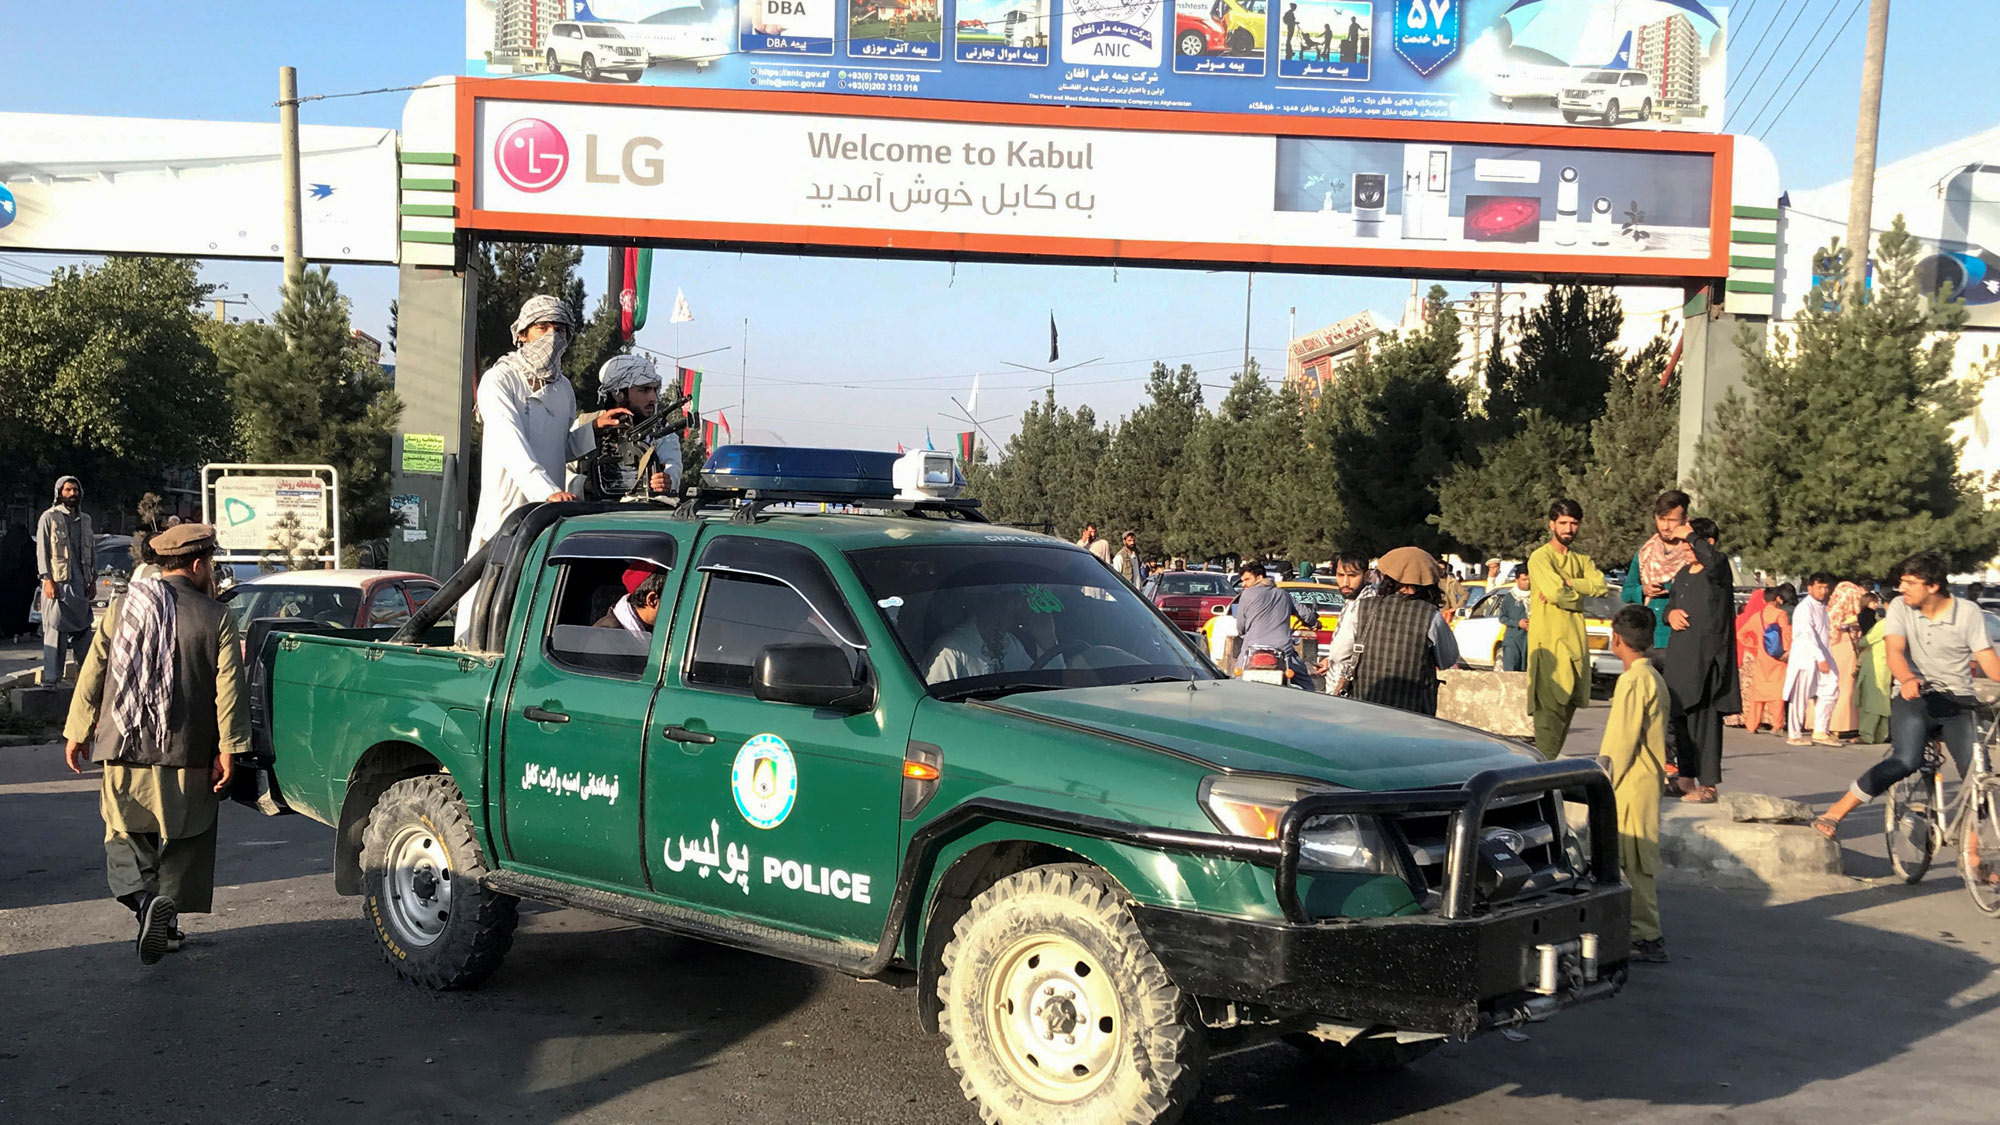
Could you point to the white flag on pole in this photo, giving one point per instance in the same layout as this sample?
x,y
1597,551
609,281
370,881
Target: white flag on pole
x,y
972,402
682,314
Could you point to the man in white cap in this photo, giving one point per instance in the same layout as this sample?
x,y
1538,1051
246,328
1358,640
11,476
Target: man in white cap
x,y
531,429
632,383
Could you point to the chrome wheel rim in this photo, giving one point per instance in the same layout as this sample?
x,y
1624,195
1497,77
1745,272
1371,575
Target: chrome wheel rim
x,y
1053,1018
419,884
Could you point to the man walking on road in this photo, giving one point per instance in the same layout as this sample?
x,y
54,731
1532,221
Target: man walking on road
x,y
66,561
161,704
1558,650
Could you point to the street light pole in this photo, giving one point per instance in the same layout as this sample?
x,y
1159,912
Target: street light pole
x,y
1249,281
1861,193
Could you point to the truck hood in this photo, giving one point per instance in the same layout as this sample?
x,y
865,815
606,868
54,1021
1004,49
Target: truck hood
x,y
1260,728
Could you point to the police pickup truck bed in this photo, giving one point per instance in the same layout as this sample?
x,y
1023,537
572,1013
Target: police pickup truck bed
x,y
911,745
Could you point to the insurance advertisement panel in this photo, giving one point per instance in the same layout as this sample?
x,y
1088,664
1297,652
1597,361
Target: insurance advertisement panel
x,y
1637,64
1478,202
209,189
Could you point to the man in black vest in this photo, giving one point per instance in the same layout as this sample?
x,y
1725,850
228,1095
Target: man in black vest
x,y
1398,639
161,704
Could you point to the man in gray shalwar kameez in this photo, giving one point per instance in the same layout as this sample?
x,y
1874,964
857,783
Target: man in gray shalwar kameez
x,y
66,562
161,704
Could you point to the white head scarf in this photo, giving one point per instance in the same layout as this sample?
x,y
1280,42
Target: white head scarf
x,y
623,372
540,361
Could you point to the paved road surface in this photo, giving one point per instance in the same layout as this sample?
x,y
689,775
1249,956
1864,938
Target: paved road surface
x,y
1875,1005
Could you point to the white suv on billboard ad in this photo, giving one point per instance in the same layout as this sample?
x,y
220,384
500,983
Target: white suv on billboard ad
x,y
1608,95
593,50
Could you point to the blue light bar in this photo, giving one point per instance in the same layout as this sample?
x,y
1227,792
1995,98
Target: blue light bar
x,y
857,474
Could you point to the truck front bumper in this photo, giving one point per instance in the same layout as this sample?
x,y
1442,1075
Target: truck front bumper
x,y
1424,973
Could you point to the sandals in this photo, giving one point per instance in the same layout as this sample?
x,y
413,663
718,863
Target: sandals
x,y
1700,795
1825,826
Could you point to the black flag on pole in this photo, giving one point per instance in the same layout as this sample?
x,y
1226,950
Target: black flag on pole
x,y
1052,335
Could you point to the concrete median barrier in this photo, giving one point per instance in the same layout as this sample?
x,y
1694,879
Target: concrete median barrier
x,y
1491,701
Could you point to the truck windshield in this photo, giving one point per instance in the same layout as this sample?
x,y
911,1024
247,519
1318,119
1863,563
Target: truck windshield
x,y
991,620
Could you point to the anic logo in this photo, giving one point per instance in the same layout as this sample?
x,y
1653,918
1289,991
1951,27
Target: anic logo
x,y
531,155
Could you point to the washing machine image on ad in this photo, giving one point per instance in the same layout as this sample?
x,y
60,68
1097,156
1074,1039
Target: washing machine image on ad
x,y
1371,196
1426,191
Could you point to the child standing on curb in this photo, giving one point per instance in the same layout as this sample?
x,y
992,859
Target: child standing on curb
x,y
1634,753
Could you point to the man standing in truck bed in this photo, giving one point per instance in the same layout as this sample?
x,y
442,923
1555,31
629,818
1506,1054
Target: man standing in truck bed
x,y
161,703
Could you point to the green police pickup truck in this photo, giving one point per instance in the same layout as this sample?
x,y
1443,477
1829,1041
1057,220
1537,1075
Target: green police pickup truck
x,y
865,729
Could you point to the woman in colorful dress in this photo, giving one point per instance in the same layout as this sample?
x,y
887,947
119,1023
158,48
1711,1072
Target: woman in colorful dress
x,y
1763,673
1843,608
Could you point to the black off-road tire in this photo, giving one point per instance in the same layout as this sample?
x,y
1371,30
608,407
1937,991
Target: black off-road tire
x,y
480,927
1161,1049
589,67
1366,1056
554,63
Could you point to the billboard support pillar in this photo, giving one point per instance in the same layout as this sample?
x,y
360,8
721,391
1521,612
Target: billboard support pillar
x,y
434,379
1711,366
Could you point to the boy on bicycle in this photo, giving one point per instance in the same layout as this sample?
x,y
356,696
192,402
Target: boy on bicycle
x,y
1933,640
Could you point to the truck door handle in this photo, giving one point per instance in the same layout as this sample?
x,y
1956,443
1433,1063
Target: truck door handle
x,y
682,734
537,715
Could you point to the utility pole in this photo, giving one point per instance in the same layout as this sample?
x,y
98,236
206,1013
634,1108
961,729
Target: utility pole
x,y
1861,193
743,381
288,149
1249,281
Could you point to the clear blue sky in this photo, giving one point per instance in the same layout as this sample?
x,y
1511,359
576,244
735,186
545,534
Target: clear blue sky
x,y
845,351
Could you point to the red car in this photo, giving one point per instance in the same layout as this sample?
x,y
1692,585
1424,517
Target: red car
x,y
1190,597
1194,35
340,599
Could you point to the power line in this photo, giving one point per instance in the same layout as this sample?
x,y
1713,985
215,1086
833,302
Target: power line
x,y
1852,12
1751,126
1757,46
1750,90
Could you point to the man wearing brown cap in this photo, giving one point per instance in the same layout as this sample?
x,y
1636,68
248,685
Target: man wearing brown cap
x,y
161,704
1396,641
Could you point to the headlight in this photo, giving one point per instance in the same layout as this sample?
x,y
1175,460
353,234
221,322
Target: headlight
x,y
1254,807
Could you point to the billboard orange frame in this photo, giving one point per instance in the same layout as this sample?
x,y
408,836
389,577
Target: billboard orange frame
x,y
935,244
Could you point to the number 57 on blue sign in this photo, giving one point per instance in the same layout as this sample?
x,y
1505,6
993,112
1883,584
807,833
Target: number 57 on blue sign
x,y
1426,32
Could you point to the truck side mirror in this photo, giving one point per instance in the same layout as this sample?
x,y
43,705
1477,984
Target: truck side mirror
x,y
812,675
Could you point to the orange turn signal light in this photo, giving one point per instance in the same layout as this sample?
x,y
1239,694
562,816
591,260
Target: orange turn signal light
x,y
918,771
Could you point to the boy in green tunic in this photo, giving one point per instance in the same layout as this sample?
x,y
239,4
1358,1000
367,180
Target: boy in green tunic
x,y
1634,753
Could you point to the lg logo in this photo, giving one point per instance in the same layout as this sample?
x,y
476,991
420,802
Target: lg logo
x,y
531,155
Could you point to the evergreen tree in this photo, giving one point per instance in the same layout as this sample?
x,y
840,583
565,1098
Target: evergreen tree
x,y
1500,507
1241,489
104,373
304,393
1393,427
1841,456
1137,474
1565,362
1634,456
1047,476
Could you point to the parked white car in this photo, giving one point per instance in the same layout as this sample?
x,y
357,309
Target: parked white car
x,y
593,50
1478,630
1608,95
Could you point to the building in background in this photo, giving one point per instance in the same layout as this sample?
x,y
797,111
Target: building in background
x,y
1314,360
1670,51
520,27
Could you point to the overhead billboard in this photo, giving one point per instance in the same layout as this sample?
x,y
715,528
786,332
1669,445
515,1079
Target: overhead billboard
x,y
787,170
209,189
1640,64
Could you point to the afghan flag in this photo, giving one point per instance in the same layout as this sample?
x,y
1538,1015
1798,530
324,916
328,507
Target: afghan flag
x,y
691,387
965,446
716,433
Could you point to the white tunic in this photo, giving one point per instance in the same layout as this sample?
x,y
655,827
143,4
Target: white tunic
x,y
1812,645
529,436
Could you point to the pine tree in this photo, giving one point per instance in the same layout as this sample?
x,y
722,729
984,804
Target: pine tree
x,y
1634,456
305,394
1565,361
1500,507
1393,427
1046,478
1142,462
1841,455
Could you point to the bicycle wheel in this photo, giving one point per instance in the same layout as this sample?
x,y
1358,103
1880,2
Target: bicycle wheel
x,y
1909,826
1979,853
